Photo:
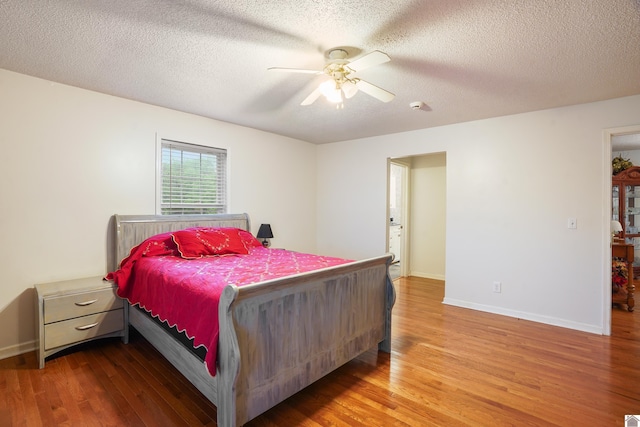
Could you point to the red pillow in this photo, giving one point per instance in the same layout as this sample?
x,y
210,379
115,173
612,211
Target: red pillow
x,y
248,239
158,245
198,242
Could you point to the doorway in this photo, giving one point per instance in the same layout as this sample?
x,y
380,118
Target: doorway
x,y
421,219
624,142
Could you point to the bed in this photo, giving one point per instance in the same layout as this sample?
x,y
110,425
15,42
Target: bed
x,y
277,336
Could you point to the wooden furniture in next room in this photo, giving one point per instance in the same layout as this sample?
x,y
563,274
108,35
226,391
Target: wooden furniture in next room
x,y
625,251
625,191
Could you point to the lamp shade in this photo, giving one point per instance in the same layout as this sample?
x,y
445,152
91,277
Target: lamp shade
x,y
349,88
331,89
265,232
616,227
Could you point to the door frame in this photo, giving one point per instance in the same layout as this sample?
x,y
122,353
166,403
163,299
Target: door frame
x,y
607,152
404,220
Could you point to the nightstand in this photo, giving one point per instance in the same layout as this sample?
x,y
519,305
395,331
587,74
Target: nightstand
x,y
75,311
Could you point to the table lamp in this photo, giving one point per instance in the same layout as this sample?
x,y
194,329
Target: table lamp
x,y
616,227
265,233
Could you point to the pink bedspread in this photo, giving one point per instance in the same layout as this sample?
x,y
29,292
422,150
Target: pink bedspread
x,y
185,293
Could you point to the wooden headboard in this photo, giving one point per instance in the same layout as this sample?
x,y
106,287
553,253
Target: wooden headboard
x,y
130,230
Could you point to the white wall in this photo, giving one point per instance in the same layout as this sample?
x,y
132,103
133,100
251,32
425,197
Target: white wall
x,y
428,216
71,158
512,183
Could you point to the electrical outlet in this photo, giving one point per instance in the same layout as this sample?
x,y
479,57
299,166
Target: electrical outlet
x,y
497,287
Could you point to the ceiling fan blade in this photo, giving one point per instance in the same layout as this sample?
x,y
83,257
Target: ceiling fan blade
x,y
375,91
294,70
312,97
369,60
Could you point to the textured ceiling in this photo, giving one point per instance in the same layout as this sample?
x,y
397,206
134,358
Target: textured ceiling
x,y
466,60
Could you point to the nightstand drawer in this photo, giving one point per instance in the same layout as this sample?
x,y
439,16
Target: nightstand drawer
x,y
82,328
80,304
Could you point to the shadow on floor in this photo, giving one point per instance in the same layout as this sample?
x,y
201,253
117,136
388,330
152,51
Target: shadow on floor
x,y
394,271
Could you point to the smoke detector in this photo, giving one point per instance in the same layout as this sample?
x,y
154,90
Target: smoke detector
x,y
417,105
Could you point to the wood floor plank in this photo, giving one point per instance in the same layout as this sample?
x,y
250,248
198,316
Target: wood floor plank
x,y
187,402
448,366
104,382
98,400
155,397
53,383
44,411
135,394
71,396
31,416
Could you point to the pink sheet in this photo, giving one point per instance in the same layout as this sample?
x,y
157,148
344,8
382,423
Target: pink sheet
x,y
185,293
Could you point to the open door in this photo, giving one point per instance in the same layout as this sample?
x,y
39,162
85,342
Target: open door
x,y
397,217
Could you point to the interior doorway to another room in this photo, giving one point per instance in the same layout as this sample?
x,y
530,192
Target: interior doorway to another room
x,y
625,143
416,215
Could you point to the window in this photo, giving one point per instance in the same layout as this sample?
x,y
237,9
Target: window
x,y
193,179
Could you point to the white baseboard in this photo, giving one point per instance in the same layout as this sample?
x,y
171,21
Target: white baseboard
x,y
426,275
17,349
554,321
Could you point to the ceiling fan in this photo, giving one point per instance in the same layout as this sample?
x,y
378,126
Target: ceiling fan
x,y
342,84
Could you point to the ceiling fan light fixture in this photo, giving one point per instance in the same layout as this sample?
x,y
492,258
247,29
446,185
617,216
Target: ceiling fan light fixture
x,y
335,96
341,85
327,87
331,91
349,88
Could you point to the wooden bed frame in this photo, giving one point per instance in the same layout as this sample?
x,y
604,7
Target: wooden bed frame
x,y
276,337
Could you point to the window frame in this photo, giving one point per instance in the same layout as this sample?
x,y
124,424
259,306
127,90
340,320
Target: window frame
x,y
192,148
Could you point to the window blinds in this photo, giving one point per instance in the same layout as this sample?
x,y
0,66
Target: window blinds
x,y
194,179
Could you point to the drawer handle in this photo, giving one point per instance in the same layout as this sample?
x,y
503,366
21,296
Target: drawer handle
x,y
85,327
82,304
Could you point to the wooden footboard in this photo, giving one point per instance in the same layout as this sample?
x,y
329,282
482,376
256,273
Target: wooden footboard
x,y
279,336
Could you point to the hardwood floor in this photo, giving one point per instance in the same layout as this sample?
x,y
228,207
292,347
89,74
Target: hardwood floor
x,y
449,366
